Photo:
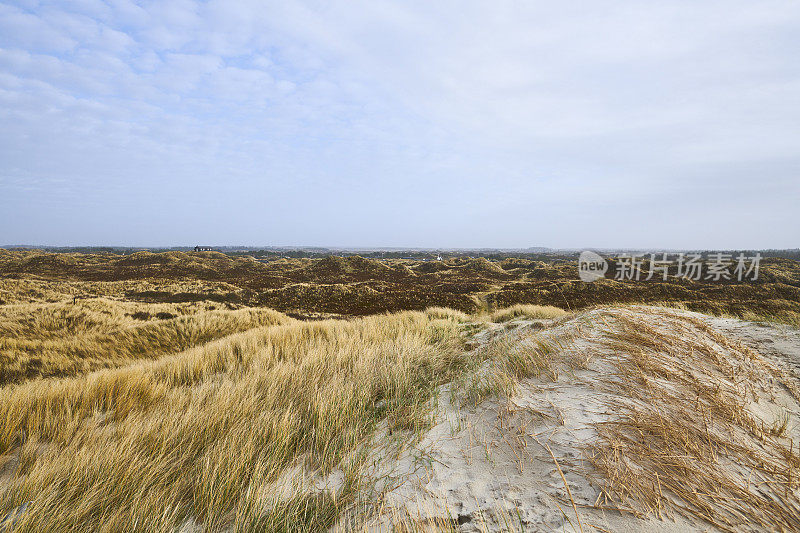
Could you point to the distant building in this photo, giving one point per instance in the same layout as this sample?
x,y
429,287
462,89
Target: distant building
x,y
203,249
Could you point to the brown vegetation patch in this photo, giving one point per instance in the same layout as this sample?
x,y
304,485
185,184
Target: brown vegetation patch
x,y
360,286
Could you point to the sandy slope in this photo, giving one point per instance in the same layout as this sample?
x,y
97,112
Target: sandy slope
x,y
781,343
495,466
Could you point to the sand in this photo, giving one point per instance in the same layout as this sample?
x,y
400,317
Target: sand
x,y
492,466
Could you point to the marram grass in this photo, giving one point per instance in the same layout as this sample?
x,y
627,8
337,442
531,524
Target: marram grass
x,y
201,435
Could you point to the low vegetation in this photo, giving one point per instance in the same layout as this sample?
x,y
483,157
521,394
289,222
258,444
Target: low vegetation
x,y
156,391
358,286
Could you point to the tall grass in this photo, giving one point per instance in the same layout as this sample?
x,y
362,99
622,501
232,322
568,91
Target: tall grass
x,y
205,434
233,434
527,311
64,339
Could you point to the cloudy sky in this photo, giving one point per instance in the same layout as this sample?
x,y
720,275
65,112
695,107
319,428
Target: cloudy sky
x,y
400,123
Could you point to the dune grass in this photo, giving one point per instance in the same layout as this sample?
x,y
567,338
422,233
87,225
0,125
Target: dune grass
x,y
784,315
527,311
185,429
205,434
446,313
683,435
66,338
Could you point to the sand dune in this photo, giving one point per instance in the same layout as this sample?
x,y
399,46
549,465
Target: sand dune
x,y
623,418
572,449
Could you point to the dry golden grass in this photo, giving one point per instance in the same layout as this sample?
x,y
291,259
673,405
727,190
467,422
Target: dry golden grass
x,y
35,290
202,435
503,363
781,316
445,313
527,311
683,435
205,434
64,339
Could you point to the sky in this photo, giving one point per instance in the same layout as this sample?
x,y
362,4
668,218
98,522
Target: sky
x,y
672,124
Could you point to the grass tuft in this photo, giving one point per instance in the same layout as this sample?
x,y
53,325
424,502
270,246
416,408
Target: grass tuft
x,y
527,311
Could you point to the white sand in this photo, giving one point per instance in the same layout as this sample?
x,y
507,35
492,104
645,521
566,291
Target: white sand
x,y
488,467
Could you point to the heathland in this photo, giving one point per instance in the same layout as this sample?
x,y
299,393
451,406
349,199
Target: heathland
x,y
358,286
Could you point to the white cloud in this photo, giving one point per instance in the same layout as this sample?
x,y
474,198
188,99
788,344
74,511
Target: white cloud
x,y
24,30
444,112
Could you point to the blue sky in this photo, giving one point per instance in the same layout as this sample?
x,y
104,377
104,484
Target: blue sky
x,y
381,123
